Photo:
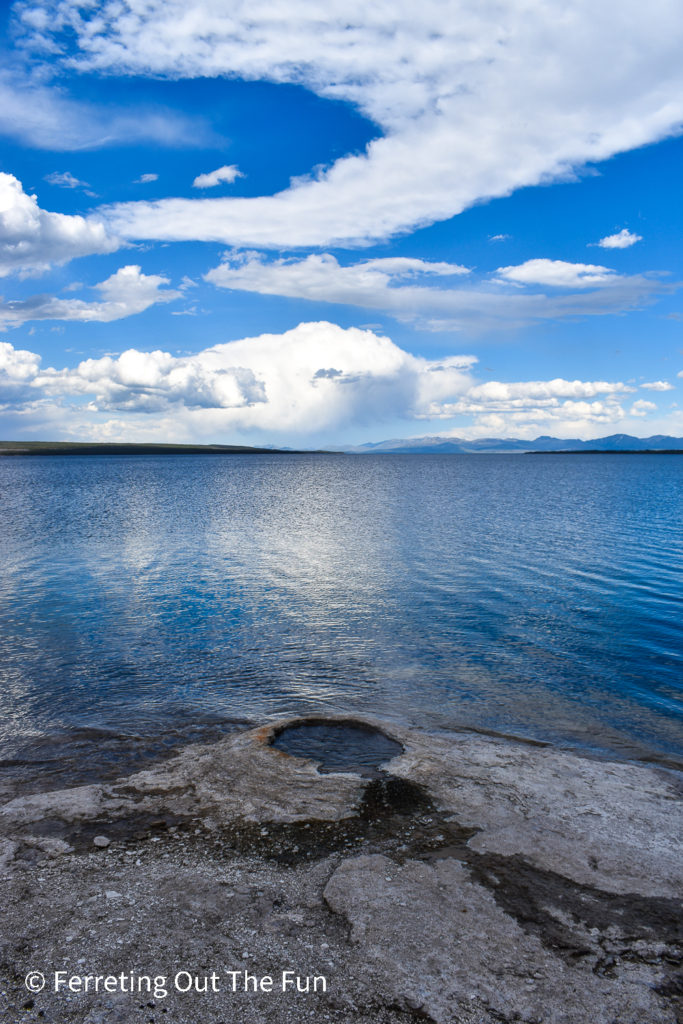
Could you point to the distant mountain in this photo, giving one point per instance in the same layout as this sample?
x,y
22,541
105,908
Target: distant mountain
x,y
436,445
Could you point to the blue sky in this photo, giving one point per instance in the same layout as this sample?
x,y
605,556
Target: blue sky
x,y
260,223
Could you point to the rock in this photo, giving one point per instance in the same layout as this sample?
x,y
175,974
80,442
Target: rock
x,y
484,880
427,957
7,852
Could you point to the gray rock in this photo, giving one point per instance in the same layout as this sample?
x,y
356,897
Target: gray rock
x,y
505,881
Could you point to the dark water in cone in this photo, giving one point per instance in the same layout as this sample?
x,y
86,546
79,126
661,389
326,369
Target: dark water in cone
x,y
339,746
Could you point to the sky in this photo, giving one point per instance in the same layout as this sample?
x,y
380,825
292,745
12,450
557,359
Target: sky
x,y
280,222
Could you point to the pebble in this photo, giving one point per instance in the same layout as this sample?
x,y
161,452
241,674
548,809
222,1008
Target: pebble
x,y
101,842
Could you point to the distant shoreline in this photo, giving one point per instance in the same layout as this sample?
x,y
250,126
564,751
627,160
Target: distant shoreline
x,y
16,448
52,448
609,451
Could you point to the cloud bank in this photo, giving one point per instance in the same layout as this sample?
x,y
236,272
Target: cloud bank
x,y
315,379
474,99
396,286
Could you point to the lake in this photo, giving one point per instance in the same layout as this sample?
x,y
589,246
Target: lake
x,y
148,600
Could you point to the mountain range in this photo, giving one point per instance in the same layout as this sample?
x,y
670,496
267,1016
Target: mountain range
x,y
436,445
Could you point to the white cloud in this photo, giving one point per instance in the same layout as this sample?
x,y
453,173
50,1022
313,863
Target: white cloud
x,y
145,179
65,179
222,174
315,380
315,376
45,117
320,278
499,238
32,239
658,385
642,408
387,285
124,293
622,240
540,402
17,364
557,273
474,101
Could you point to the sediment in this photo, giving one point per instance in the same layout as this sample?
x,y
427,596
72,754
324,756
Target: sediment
x,y
476,880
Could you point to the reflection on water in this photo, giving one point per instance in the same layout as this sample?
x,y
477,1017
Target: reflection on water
x,y
537,596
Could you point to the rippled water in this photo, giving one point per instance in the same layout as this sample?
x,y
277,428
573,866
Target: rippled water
x,y
146,597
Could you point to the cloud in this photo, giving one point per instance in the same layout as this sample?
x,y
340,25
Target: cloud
x,y
17,364
556,273
270,383
389,285
499,238
125,293
65,179
473,101
315,380
31,239
642,408
144,179
44,116
221,174
540,401
320,278
622,240
658,385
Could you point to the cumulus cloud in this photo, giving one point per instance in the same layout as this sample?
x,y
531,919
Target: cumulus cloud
x,y
145,179
313,380
390,285
658,385
224,175
31,239
642,408
45,117
622,240
17,364
556,273
124,293
540,401
271,382
473,101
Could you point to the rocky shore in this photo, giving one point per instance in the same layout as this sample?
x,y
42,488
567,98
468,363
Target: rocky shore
x,y
475,880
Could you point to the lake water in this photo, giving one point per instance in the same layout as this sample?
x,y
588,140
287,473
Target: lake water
x,y
145,600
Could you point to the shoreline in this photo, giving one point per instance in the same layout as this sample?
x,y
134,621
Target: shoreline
x,y
479,878
77,751
53,448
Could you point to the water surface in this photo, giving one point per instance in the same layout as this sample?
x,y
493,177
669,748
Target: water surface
x,y
145,596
